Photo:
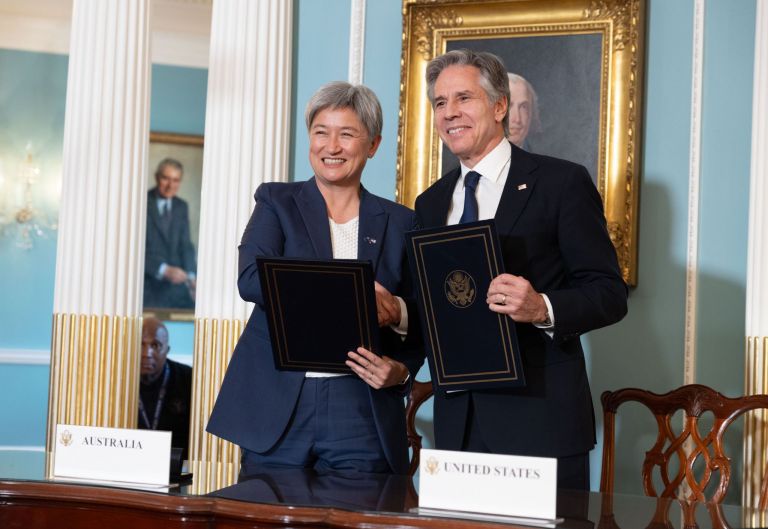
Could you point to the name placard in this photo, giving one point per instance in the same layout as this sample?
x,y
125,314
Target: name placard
x,y
516,486
112,454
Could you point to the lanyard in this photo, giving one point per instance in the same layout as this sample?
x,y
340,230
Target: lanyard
x,y
160,400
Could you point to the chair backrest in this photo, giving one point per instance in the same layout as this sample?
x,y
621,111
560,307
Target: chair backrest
x,y
693,400
420,392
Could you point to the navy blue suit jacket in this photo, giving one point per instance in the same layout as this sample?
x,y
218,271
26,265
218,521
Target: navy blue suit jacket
x,y
174,248
553,233
290,219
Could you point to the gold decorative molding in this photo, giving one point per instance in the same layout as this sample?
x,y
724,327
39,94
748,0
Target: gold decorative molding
x,y
426,22
94,373
756,422
430,25
616,11
214,463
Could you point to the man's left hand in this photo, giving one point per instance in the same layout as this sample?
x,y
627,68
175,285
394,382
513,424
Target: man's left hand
x,y
514,296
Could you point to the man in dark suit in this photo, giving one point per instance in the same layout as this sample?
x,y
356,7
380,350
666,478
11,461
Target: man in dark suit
x,y
563,276
169,261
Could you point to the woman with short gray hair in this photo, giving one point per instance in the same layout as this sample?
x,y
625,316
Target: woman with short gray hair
x,y
316,419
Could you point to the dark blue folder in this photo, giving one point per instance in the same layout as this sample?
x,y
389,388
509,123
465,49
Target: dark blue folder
x,y
318,310
468,346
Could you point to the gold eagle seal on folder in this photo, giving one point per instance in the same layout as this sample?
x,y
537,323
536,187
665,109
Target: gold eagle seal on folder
x,y
65,438
460,289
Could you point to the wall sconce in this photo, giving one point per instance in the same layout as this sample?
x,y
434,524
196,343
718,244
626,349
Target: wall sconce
x,y
22,217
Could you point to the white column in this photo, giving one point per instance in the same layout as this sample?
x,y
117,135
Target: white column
x,y
100,253
356,41
756,381
247,128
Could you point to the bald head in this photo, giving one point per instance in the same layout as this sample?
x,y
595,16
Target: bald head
x,y
154,349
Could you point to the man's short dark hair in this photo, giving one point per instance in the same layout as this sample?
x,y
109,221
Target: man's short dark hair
x,y
493,74
168,162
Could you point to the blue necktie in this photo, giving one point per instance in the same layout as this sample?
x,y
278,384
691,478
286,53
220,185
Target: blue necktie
x,y
470,202
165,215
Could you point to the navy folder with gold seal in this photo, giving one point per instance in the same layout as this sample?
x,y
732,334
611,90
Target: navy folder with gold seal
x,y
468,345
318,310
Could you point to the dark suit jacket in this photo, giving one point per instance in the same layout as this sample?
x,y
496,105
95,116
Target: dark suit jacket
x,y
553,233
290,219
174,248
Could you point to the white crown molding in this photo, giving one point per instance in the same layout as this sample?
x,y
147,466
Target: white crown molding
x,y
180,29
180,49
694,175
25,356
38,34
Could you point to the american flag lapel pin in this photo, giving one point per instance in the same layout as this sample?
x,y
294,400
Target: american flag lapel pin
x,y
522,186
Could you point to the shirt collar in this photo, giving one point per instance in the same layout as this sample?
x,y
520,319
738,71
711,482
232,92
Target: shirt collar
x,y
492,164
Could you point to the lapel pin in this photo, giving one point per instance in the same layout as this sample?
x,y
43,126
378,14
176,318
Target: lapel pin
x,y
522,186
369,240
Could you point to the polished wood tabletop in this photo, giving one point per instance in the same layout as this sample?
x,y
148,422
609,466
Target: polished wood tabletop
x,y
304,499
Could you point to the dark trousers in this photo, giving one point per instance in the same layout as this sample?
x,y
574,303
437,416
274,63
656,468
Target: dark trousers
x,y
572,471
332,428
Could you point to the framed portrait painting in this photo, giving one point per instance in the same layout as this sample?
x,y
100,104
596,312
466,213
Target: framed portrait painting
x,y
577,64
173,221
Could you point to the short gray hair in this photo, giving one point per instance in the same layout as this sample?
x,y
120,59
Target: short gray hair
x,y
339,95
168,162
533,96
493,74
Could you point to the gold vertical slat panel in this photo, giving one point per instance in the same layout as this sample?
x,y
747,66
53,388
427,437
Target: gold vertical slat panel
x,y
94,373
755,424
214,463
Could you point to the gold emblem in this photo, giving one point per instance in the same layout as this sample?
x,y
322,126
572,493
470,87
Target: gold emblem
x,y
460,289
65,438
432,466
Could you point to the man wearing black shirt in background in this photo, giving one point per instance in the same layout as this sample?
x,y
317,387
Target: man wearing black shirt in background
x,y
166,387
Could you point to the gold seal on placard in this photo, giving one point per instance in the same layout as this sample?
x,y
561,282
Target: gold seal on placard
x,y
65,438
432,466
460,289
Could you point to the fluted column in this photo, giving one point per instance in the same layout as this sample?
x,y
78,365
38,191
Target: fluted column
x,y
100,252
247,128
756,376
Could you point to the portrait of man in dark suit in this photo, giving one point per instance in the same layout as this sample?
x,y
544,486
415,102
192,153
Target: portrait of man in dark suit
x,y
563,275
170,260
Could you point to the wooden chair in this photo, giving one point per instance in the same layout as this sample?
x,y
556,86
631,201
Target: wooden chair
x,y
694,400
420,392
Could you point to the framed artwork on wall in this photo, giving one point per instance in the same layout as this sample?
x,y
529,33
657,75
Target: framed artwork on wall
x,y
173,220
582,62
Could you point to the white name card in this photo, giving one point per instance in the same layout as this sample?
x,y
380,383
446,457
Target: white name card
x,y
112,454
488,483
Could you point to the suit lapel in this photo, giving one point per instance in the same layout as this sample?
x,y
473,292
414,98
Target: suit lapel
x,y
520,183
438,215
314,213
154,215
373,225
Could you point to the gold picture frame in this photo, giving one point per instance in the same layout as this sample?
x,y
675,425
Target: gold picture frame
x,y
614,31
187,149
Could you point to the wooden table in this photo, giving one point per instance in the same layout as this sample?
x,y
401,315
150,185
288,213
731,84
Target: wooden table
x,y
43,504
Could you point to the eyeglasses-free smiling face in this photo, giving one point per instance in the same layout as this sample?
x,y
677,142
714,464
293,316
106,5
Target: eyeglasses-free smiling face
x,y
339,146
519,113
467,121
168,181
